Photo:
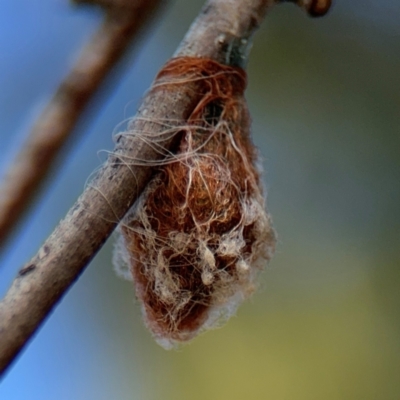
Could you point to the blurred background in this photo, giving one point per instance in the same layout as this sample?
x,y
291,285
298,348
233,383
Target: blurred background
x,y
325,324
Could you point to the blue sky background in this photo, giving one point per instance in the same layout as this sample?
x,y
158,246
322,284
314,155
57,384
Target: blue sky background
x,y
324,96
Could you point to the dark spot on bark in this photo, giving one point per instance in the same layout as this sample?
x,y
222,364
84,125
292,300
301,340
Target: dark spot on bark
x,y
207,9
26,270
46,249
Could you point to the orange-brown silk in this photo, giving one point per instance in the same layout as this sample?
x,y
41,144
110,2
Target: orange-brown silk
x,y
192,238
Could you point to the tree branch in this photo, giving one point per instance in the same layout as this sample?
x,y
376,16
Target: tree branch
x,y
122,22
221,32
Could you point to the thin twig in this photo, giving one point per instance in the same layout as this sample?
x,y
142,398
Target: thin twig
x,y
122,22
221,32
